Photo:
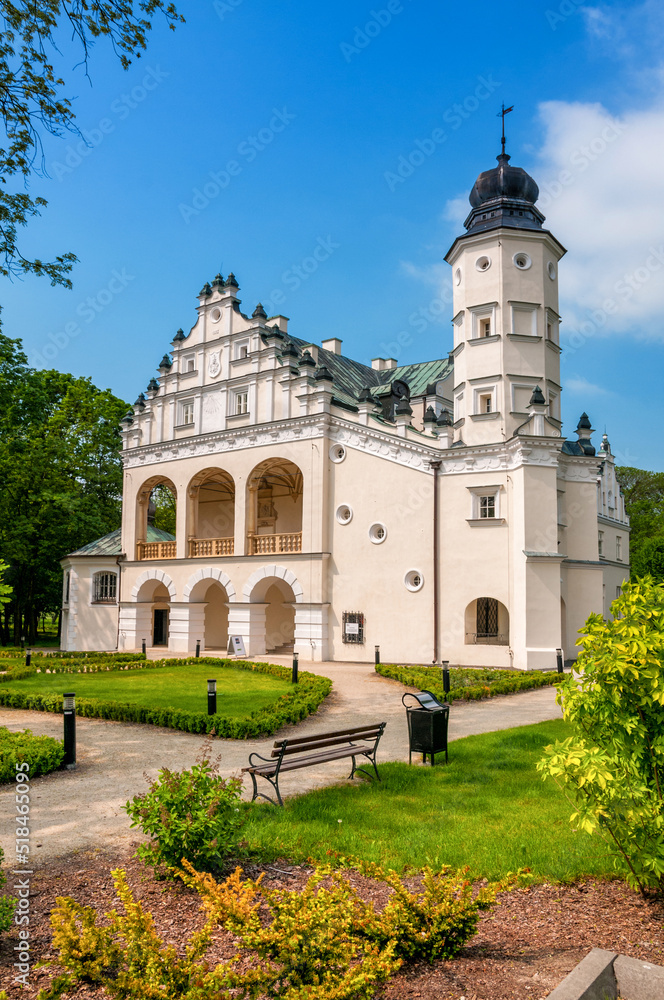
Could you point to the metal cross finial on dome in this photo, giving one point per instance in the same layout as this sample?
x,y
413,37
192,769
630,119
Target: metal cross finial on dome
x,y
501,114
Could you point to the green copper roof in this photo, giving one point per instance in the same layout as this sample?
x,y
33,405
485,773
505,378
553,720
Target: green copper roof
x,y
350,377
110,545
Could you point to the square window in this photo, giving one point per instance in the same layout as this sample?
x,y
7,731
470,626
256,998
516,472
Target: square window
x,y
488,506
191,365
187,413
241,402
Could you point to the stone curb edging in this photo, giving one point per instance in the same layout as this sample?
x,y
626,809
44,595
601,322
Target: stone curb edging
x,y
605,975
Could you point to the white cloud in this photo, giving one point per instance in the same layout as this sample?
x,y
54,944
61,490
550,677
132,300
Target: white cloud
x,y
582,387
601,187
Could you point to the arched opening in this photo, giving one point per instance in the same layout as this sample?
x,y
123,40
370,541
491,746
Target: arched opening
x,y
215,617
156,602
156,517
487,623
211,520
274,508
278,600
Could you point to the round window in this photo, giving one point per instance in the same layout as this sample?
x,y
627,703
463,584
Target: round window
x,y
337,453
414,580
457,276
215,315
483,263
522,261
344,514
551,268
377,533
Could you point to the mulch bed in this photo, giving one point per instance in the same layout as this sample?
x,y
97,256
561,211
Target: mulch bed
x,y
524,947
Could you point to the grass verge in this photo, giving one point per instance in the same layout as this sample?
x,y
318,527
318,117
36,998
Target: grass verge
x,y
488,808
253,699
467,683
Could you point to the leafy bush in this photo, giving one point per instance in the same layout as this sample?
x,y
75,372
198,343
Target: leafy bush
x,y
7,904
321,943
613,767
302,699
467,684
43,753
190,814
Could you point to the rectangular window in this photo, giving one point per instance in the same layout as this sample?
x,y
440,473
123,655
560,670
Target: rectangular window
x,y
244,351
105,588
618,592
488,506
241,402
485,328
485,403
619,548
600,542
187,413
67,584
190,365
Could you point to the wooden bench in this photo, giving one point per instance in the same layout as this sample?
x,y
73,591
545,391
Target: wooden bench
x,y
307,751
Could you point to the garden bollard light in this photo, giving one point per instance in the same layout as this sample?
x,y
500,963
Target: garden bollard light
x,y
28,657
295,665
143,644
212,696
446,677
198,647
559,657
377,655
69,712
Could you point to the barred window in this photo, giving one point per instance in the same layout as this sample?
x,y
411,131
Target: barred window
x,y
105,588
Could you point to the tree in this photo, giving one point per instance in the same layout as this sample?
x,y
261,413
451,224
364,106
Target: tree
x,y
61,479
644,503
613,766
33,103
5,589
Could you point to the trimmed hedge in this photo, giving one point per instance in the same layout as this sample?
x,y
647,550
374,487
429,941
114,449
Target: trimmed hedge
x,y
467,684
303,699
43,753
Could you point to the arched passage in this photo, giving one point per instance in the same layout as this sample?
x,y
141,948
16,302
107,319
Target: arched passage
x,y
277,599
211,514
153,600
214,596
487,622
274,508
156,515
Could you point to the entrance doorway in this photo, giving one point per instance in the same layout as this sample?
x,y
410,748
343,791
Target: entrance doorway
x,y
160,627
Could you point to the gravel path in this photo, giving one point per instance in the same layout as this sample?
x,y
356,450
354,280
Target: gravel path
x,y
82,809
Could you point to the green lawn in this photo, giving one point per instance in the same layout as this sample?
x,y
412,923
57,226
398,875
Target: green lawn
x,y
488,808
183,687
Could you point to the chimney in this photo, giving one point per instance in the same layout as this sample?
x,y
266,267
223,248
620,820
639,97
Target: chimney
x,y
383,364
333,345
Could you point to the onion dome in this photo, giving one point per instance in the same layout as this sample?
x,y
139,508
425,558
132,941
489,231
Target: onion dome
x,y
306,361
205,291
537,398
165,363
259,312
323,375
504,196
153,385
218,281
444,418
179,336
231,281
430,415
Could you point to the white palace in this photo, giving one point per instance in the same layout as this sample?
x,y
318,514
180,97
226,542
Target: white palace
x,y
433,509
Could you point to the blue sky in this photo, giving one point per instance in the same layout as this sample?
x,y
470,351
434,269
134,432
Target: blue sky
x,y
255,133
